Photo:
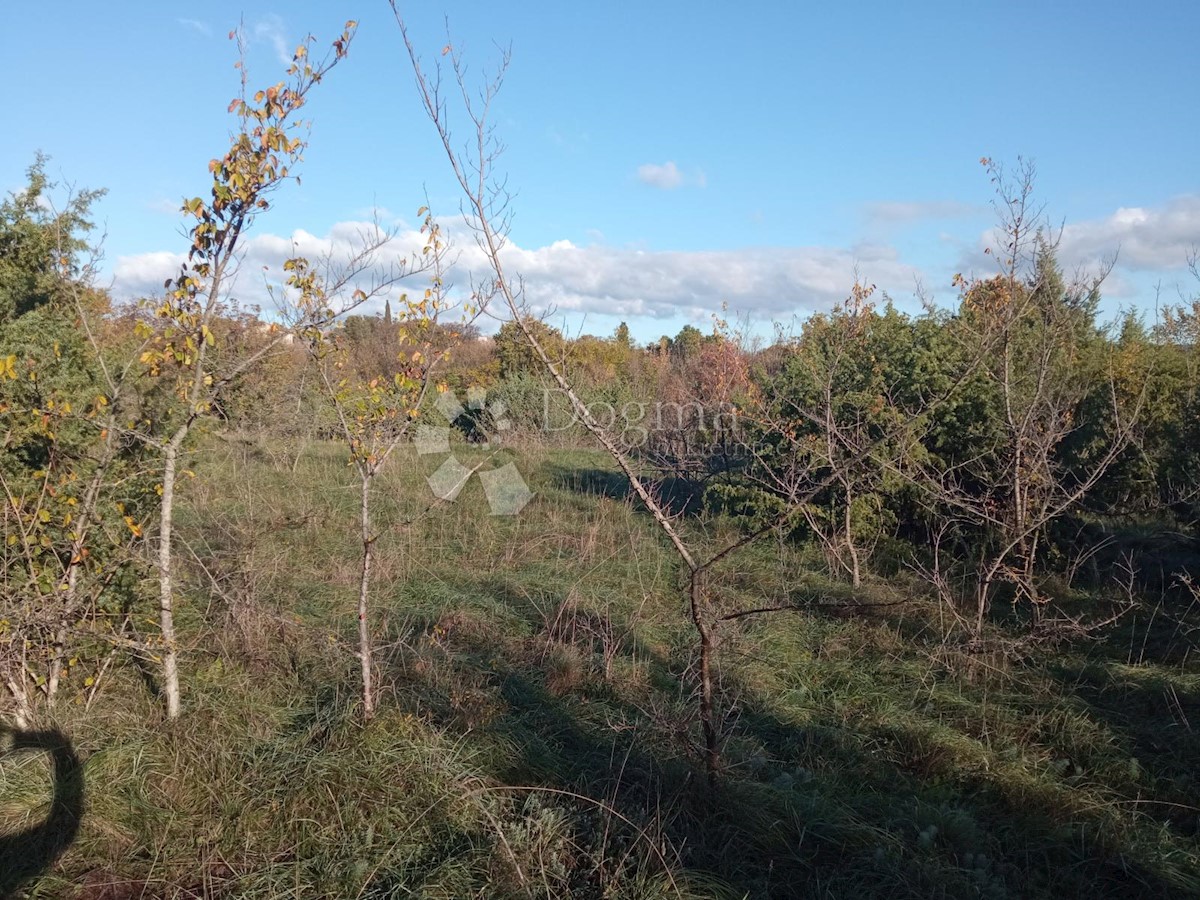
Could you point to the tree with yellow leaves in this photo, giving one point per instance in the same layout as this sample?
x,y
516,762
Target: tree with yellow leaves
x,y
375,413
261,156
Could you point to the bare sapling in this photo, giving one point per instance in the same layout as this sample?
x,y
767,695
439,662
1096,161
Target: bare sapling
x,y
487,214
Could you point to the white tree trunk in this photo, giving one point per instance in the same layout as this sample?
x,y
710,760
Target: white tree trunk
x,y
364,627
166,601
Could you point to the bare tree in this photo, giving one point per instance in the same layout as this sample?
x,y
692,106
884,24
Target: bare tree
x,y
487,213
835,397
1042,358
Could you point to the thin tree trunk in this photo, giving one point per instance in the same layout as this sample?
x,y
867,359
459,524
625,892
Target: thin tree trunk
x,y
855,569
69,583
166,602
58,656
982,592
364,629
708,648
1028,580
24,714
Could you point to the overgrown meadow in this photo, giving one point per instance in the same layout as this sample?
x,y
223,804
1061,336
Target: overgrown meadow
x,y
534,738
352,600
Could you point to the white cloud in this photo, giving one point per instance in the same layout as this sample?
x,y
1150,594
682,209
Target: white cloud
x,y
1144,239
765,282
164,206
385,216
261,261
270,29
768,282
143,275
669,176
202,28
666,177
569,138
1154,240
900,211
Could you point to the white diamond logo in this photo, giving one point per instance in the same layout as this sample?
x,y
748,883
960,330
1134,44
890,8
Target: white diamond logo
x,y
506,491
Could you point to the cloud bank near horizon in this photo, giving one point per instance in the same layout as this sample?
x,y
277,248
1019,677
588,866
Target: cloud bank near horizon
x,y
774,283
764,283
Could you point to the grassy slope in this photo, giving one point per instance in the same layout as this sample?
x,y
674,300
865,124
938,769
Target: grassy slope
x,y
516,757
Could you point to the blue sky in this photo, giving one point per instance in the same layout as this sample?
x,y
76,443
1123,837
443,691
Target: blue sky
x,y
667,157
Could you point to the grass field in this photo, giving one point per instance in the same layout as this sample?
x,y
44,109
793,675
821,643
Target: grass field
x,y
537,735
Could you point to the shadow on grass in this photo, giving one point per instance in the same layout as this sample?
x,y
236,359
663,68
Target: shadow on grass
x,y
1161,721
32,851
829,809
824,814
677,495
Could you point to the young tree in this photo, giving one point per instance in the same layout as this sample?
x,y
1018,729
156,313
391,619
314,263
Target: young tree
x,y
847,384
692,433
1176,420
513,352
376,413
622,337
1043,357
73,475
264,150
686,345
